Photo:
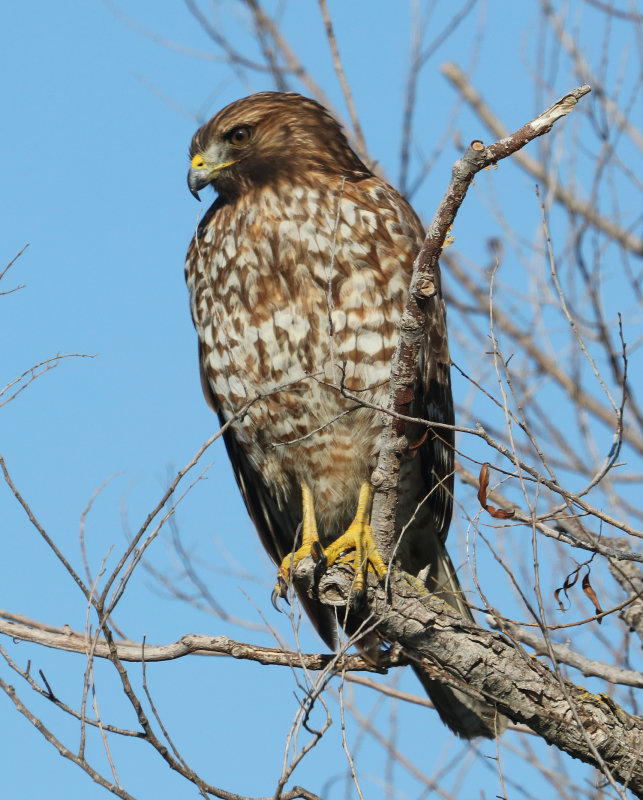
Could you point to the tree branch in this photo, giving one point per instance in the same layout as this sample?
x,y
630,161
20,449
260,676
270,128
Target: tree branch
x,y
190,644
425,284
565,655
489,666
626,239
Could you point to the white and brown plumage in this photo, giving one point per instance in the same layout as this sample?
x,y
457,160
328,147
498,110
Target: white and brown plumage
x,y
298,275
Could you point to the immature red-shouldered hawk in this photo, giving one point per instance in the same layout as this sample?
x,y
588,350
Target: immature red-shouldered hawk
x,y
298,276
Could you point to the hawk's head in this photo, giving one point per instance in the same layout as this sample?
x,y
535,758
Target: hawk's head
x,y
267,137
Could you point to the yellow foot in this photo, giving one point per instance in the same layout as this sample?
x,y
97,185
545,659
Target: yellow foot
x,y
356,543
309,545
359,538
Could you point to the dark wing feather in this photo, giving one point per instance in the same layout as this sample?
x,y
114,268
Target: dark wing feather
x,y
434,402
465,716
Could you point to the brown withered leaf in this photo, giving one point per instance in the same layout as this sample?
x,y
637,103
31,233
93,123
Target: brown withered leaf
x,y
558,600
483,485
589,591
570,580
499,513
413,448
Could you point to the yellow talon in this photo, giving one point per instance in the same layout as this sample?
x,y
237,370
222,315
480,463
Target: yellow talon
x,y
309,542
358,538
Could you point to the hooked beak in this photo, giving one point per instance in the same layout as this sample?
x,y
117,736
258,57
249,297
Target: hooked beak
x,y
201,175
198,178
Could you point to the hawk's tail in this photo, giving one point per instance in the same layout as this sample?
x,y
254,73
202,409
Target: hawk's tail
x,y
465,715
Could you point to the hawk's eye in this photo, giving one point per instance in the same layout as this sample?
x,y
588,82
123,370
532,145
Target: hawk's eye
x,y
239,136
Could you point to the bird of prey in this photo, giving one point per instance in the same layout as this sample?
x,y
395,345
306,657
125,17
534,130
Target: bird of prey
x,y
298,275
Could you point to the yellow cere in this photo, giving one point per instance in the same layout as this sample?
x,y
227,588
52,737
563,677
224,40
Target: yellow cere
x,y
198,162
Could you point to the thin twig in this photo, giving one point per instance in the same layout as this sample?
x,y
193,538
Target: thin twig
x,y
346,89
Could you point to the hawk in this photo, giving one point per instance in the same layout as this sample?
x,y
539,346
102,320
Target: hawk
x,y
298,275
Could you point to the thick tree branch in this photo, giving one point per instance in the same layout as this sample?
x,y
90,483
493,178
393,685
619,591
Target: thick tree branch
x,y
565,655
489,666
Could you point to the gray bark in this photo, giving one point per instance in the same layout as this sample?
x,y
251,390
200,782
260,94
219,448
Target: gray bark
x,y
488,665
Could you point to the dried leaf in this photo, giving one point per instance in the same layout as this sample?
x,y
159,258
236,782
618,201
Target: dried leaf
x,y
413,448
570,580
589,591
558,600
483,484
500,513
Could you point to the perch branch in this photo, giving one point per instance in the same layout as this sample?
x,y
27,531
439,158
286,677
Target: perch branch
x,y
487,665
190,644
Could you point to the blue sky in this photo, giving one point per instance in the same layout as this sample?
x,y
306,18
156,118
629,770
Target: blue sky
x,y
97,120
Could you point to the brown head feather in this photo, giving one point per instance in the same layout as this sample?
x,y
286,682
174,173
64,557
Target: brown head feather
x,y
291,138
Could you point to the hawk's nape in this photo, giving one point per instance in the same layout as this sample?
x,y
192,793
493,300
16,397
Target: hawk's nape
x,y
298,275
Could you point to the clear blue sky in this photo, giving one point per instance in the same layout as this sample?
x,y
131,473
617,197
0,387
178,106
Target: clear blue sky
x,y
97,119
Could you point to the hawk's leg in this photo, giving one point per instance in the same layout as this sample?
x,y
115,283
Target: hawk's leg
x,y
358,539
309,544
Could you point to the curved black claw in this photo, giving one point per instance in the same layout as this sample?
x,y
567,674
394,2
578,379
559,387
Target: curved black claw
x,y
321,562
280,592
358,598
275,597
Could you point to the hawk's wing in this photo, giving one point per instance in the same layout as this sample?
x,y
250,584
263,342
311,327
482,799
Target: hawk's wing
x,y
278,528
435,403
434,489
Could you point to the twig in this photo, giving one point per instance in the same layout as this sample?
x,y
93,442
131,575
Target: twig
x,y
83,521
64,751
584,72
346,89
32,518
163,728
24,673
8,267
523,337
35,372
419,58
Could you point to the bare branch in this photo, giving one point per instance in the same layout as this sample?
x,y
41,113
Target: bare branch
x,y
8,267
190,644
29,376
346,89
64,751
